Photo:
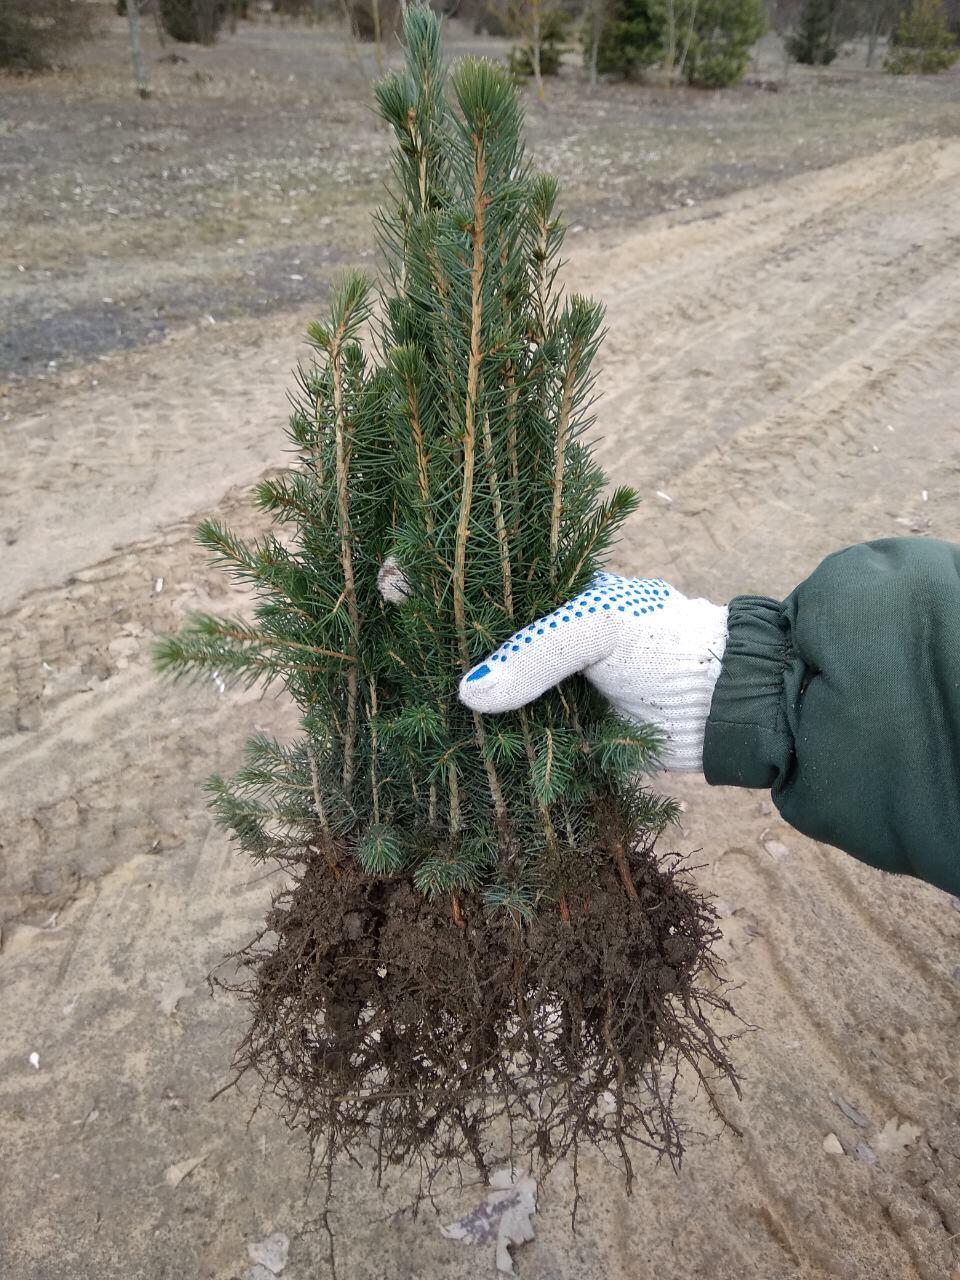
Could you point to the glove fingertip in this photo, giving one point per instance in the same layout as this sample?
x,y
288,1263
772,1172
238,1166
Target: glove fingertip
x,y
481,689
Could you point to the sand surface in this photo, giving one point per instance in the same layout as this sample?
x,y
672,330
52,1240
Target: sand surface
x,y
780,380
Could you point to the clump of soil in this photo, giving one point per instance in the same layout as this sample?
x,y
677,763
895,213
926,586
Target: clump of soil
x,y
382,1023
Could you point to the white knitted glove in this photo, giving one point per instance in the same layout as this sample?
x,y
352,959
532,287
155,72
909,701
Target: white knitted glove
x,y
654,654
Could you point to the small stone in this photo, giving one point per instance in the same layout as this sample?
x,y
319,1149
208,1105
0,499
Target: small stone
x,y
865,1153
270,1253
176,1173
776,849
832,1145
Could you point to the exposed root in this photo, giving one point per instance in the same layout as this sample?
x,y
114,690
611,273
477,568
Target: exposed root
x,y
428,1033
456,913
623,869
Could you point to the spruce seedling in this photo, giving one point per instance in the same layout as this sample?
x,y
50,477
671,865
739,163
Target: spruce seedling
x,y
476,928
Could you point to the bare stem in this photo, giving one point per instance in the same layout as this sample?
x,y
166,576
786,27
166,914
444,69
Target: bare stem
x,y
453,785
327,842
419,445
501,527
513,392
470,409
374,787
342,443
443,293
560,452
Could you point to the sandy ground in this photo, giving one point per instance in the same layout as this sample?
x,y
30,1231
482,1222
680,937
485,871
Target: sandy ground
x,y
780,379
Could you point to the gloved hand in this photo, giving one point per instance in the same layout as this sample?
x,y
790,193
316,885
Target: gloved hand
x,y
654,654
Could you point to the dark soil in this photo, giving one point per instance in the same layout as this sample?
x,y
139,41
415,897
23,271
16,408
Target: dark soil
x,y
380,1023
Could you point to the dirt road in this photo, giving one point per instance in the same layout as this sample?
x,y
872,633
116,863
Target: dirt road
x,y
780,379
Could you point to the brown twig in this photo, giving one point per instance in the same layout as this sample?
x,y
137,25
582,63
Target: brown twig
x,y
620,858
458,919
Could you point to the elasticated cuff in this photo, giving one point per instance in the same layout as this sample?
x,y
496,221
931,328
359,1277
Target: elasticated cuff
x,y
748,742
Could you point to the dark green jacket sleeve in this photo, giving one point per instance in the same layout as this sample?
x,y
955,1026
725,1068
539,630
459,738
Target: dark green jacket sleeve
x,y
844,699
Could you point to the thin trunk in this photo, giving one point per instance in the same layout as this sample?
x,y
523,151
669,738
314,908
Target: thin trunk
x,y
834,18
469,442
536,40
689,38
443,293
670,41
873,36
374,784
327,849
470,450
543,282
136,50
496,791
342,446
596,26
420,448
352,52
560,455
377,40
513,392
453,785
499,522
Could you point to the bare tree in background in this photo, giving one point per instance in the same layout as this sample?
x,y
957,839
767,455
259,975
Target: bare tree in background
x,y
373,21
679,29
598,14
538,27
878,18
688,36
535,8
377,33
136,49
669,39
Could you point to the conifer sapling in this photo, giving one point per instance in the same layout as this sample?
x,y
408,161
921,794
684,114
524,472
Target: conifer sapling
x,y
475,927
